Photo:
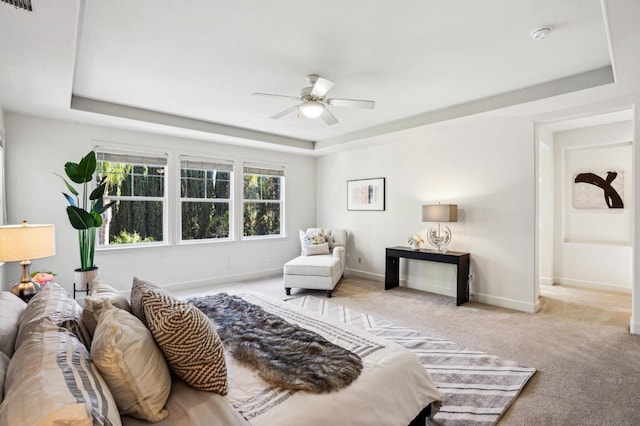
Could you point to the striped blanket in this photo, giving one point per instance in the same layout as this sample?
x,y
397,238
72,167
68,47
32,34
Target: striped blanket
x,y
478,387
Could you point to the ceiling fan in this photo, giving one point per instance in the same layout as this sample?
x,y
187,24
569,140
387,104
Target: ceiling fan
x,y
314,101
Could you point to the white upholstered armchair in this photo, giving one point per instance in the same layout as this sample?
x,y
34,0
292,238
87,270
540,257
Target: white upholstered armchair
x,y
320,264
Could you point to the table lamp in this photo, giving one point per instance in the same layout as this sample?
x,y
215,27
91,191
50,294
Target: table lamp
x,y
439,237
23,243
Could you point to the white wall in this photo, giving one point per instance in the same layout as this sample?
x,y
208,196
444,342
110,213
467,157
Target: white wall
x,y
545,205
2,265
37,147
486,166
593,248
634,322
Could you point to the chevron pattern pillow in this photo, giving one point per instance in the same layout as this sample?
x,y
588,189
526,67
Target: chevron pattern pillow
x,y
187,338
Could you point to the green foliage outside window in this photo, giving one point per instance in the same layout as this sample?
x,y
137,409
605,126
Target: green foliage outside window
x,y
205,203
138,211
262,212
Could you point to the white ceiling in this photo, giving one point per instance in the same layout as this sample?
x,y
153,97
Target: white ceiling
x,y
191,65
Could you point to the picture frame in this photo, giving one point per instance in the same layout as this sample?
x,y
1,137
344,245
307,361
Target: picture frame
x,y
598,190
366,194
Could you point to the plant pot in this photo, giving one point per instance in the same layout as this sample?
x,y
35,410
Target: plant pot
x,y
83,279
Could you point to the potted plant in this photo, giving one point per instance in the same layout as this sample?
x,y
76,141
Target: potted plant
x,y
84,211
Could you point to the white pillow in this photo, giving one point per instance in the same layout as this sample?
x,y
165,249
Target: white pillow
x,y
315,249
313,242
11,307
4,363
131,363
101,291
51,381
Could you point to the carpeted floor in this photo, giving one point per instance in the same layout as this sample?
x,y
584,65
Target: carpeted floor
x,y
588,365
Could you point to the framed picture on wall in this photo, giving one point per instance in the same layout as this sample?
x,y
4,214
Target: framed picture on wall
x,y
598,190
366,194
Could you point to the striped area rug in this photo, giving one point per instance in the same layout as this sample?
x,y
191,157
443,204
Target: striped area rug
x,y
478,387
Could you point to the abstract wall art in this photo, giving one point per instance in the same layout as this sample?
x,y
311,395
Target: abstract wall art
x,y
366,194
598,190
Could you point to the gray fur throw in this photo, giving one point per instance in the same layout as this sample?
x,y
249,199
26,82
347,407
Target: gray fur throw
x,y
284,354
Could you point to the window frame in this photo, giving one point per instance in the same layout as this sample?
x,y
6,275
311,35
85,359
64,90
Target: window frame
x,y
271,171
162,160
223,164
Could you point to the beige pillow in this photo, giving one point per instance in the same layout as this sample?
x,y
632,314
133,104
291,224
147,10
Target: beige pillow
x,y
131,363
187,338
11,307
52,381
4,363
101,291
55,303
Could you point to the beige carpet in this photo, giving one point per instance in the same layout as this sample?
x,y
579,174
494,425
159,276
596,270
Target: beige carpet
x,y
588,364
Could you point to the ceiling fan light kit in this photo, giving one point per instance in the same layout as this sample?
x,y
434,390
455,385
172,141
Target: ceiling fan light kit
x,y
314,102
311,109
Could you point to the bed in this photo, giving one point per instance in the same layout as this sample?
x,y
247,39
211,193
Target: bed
x,y
393,387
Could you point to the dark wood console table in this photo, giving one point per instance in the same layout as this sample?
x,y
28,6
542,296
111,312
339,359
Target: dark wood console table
x,y
461,260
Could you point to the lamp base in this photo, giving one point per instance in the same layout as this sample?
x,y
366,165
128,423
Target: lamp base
x,y
26,290
439,237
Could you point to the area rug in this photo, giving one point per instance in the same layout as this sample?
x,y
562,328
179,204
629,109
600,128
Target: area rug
x,y
477,387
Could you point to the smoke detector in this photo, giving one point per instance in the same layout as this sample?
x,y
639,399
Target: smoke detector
x,y
541,33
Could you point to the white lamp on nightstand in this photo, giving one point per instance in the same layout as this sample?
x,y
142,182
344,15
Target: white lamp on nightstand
x,y
21,243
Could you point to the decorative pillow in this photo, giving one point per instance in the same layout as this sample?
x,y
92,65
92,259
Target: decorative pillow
x,y
52,381
187,338
4,363
11,307
313,242
131,363
101,291
137,289
55,303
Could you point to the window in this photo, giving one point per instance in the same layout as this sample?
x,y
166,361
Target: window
x,y
263,201
205,199
136,184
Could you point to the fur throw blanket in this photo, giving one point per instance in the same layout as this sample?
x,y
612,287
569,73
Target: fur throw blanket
x,y
284,354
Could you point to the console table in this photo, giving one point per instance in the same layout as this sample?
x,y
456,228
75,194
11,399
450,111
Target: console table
x,y
461,260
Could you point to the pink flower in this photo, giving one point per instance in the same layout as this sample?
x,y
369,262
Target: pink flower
x,y
43,278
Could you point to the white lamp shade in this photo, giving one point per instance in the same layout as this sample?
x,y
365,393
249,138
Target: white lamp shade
x,y
311,109
440,213
26,242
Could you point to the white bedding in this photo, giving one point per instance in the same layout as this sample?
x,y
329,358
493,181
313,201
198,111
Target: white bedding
x,y
391,390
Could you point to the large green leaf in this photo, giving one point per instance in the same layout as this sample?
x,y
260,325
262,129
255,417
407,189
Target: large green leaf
x,y
97,219
79,218
87,167
71,169
98,192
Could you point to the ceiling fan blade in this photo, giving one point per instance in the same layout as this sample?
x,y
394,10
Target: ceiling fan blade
x,y
328,118
321,86
293,98
356,103
285,112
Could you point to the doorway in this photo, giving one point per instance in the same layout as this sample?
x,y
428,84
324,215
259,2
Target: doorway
x,y
585,254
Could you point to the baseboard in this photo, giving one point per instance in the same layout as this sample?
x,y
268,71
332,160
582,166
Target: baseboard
x,y
545,281
634,327
502,302
224,279
364,274
592,285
